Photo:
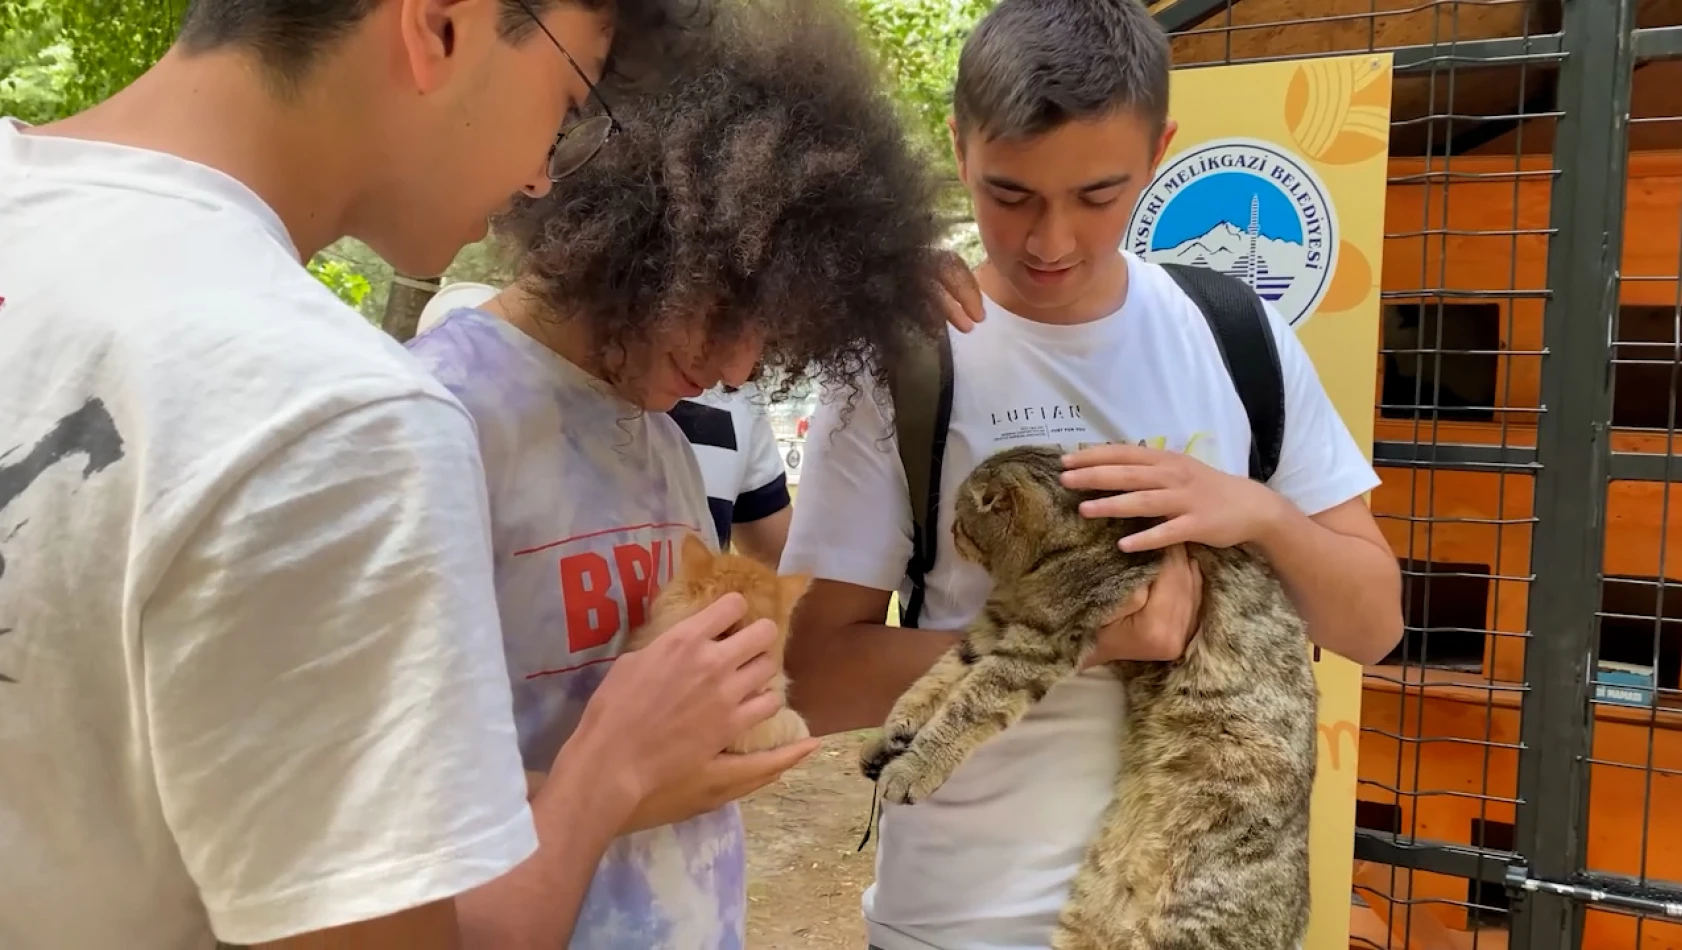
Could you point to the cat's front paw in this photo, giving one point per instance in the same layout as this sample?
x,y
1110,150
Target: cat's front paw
x,y
888,745
908,780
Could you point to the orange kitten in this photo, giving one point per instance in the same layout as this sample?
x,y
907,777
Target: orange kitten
x,y
703,577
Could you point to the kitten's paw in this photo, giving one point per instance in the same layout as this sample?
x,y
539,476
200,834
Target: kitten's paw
x,y
784,727
889,745
907,780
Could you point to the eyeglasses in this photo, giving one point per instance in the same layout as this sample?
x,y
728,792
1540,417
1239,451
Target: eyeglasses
x,y
579,141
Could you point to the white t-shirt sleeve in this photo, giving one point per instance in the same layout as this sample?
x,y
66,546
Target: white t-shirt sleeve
x,y
1320,466
327,702
764,480
853,519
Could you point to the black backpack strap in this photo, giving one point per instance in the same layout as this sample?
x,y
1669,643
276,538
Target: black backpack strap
x,y
1241,327
922,398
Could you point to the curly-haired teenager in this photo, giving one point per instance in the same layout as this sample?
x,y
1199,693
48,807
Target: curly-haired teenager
x,y
741,464
251,679
760,217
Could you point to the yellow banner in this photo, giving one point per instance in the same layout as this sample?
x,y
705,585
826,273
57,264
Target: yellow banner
x,y
1277,175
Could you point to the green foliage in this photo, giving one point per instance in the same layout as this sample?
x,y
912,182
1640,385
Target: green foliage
x,y
341,278
966,241
356,257
57,57
477,262
918,42
35,67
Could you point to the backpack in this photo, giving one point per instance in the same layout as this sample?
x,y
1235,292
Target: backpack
x,y
921,389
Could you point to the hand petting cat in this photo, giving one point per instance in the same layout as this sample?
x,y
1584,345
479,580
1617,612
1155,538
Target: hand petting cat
x,y
1197,503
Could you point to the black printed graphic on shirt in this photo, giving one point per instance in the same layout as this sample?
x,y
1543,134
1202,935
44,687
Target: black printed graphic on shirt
x,y
89,432
1065,423
1037,422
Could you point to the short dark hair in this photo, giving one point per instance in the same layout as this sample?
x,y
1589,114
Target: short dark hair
x,y
771,189
288,36
1033,65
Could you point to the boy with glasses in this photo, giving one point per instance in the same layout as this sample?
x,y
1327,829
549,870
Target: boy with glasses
x,y
252,684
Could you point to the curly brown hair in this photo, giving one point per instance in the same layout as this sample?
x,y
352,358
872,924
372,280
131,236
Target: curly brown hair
x,y
770,189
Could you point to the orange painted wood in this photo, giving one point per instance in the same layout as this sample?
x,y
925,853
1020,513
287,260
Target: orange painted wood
x,y
1445,753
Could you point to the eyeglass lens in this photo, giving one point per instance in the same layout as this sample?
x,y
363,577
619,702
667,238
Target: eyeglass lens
x,y
577,144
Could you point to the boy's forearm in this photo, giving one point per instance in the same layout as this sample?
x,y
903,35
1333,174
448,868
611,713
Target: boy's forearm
x,y
579,811
849,678
1347,589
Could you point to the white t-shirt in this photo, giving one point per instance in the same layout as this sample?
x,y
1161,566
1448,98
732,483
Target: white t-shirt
x,y
730,433
985,863
590,499
252,679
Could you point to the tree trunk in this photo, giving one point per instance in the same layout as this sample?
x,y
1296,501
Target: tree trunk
x,y
403,306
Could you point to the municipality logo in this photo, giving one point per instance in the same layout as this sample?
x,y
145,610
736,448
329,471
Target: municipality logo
x,y
1249,210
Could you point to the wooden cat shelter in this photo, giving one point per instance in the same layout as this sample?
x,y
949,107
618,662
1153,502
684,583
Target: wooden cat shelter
x,y
1438,753
1469,531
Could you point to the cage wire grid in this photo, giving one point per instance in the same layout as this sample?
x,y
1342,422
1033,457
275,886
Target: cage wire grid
x,y
1519,749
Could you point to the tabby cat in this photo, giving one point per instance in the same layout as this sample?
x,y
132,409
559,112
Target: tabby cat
x,y
1205,844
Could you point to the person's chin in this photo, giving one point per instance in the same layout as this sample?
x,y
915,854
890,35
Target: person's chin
x,y
1043,297
658,402
421,259
432,252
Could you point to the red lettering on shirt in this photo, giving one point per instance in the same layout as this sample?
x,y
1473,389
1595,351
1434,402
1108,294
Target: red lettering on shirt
x,y
607,581
636,578
592,612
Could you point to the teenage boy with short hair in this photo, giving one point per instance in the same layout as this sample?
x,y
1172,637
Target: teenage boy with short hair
x,y
1061,118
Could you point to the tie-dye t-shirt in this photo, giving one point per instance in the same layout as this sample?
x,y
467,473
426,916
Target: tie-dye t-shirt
x,y
590,497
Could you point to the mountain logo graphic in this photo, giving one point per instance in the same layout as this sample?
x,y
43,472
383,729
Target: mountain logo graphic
x,y
1246,208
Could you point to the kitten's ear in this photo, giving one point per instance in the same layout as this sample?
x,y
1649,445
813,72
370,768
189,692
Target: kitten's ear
x,y
696,557
793,586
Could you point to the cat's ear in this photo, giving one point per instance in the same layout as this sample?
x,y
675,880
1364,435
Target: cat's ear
x,y
696,557
995,499
793,586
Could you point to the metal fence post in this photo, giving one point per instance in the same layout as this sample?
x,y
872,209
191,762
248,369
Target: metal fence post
x,y
1584,259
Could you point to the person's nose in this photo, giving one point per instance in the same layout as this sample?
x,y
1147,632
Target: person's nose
x,y
738,368
1052,238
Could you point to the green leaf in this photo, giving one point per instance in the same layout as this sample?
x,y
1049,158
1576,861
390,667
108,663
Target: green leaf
x,y
341,278
58,57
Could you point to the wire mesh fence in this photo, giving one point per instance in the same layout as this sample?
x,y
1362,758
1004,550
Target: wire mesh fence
x,y
1521,750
